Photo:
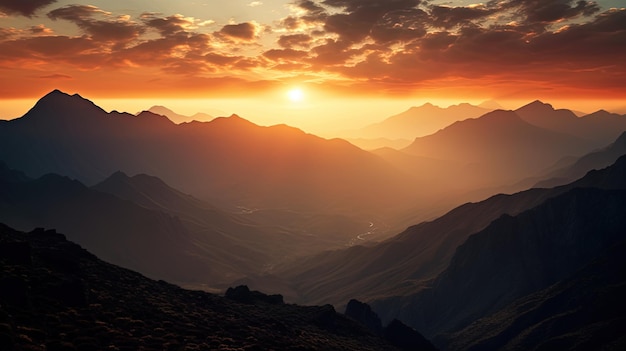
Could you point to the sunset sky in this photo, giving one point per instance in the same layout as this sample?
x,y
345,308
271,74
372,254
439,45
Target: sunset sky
x,y
353,61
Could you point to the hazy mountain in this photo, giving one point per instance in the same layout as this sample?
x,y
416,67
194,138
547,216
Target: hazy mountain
x,y
226,160
498,148
599,127
59,296
152,241
178,118
418,121
279,234
373,144
594,160
516,256
408,262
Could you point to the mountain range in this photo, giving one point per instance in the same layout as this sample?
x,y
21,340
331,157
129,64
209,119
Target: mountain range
x,y
228,160
214,204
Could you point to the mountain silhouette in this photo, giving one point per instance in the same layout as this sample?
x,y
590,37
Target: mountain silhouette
x,y
178,118
498,147
228,160
598,127
418,121
59,296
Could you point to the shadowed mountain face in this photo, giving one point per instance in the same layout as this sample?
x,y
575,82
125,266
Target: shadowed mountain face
x,y
517,256
227,160
585,312
56,295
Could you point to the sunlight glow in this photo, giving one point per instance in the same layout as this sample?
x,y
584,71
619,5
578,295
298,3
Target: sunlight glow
x,y
295,95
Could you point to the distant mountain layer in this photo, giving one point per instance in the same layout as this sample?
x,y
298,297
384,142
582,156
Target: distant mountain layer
x,y
598,127
418,121
178,118
498,146
57,296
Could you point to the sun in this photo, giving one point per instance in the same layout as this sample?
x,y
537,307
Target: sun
x,y
295,95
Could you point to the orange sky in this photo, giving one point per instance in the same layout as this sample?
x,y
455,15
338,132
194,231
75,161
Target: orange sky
x,y
407,51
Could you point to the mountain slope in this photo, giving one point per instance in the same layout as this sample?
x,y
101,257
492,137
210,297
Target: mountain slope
x,y
517,256
583,312
58,296
408,262
153,242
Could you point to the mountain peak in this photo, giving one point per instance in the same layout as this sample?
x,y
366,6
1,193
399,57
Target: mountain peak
x,y
537,106
59,105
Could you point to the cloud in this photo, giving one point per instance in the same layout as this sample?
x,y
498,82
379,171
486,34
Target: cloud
x,y
293,40
246,31
23,7
40,29
541,11
119,31
255,3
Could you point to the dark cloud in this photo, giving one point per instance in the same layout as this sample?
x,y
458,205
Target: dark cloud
x,y
281,55
118,31
58,49
542,11
23,7
360,17
292,40
449,17
167,26
242,31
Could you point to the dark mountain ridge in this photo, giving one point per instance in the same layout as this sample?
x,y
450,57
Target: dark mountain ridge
x,y
56,295
516,256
